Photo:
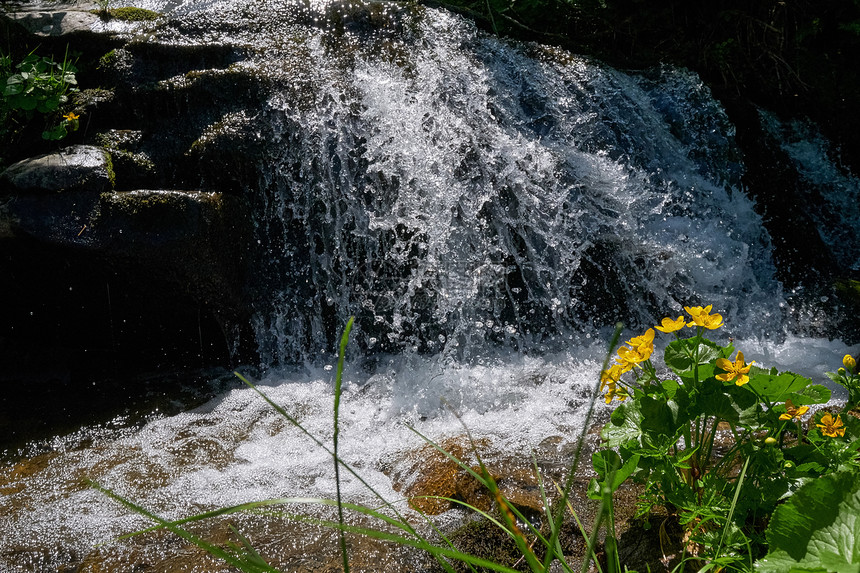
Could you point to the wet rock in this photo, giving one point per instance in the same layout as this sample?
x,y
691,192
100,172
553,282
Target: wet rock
x,y
74,168
426,476
65,20
146,275
284,545
14,479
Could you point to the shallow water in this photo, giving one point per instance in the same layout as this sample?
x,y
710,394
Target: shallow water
x,y
235,448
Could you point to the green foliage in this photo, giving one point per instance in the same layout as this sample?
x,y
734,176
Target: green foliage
x,y
665,432
38,84
817,529
849,377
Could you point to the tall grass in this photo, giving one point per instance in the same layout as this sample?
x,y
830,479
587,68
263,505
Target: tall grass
x,y
508,518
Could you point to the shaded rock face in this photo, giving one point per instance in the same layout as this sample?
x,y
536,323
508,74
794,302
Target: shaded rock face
x,y
100,280
118,258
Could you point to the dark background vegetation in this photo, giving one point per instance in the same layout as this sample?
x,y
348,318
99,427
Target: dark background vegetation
x,y
794,57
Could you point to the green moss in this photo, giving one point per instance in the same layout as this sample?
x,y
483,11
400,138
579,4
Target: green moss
x,y
486,540
110,172
849,289
131,14
107,60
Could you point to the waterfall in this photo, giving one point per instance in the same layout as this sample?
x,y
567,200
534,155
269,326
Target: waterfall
x,y
458,193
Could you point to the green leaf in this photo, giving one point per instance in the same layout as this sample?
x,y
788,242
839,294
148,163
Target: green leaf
x,y
658,416
838,564
815,394
679,353
58,132
817,529
52,103
623,425
779,387
608,464
26,103
12,89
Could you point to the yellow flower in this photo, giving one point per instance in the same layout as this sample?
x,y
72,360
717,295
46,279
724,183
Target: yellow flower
x,y
793,412
736,369
646,339
703,317
632,356
695,311
641,348
849,363
611,375
669,325
71,116
615,392
830,427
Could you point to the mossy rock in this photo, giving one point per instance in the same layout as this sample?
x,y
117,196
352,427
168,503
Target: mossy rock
x,y
485,539
132,14
849,289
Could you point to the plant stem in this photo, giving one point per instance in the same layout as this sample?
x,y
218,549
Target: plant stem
x,y
337,390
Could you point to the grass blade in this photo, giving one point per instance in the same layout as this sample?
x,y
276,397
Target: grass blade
x,y
337,390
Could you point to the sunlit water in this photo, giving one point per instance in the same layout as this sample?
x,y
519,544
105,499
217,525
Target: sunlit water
x,y
486,210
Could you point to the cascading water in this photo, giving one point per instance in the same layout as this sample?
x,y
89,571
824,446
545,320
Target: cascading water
x,y
484,208
482,192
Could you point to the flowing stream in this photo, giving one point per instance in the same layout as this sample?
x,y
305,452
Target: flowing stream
x,y
487,210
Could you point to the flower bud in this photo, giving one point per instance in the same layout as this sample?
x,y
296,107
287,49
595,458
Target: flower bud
x,y
770,441
849,363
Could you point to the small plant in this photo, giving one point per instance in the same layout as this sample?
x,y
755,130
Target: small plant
x,y
849,377
104,8
38,84
711,425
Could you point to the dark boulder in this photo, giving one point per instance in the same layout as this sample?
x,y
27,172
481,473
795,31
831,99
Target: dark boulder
x,y
146,279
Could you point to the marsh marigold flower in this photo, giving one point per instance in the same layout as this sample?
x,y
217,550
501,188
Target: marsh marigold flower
x,y
830,427
71,116
646,339
629,357
849,363
736,369
793,412
640,349
668,325
615,392
703,317
611,375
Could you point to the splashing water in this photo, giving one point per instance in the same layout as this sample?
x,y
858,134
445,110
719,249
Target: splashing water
x,y
457,191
